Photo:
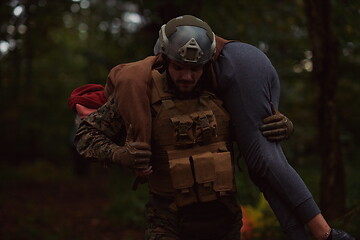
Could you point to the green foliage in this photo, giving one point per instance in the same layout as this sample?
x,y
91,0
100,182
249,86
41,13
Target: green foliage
x,y
127,206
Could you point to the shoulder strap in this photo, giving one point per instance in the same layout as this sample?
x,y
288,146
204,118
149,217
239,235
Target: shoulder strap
x,y
206,97
158,80
160,95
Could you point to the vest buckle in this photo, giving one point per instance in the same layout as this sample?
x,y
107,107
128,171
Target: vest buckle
x,y
204,124
183,128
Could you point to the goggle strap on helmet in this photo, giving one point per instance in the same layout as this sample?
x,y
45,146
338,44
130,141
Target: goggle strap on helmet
x,y
213,43
163,39
187,20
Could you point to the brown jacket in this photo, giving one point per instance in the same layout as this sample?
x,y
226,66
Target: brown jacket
x,y
130,84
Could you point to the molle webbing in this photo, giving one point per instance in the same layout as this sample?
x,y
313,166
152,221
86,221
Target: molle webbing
x,y
190,161
195,122
180,153
202,177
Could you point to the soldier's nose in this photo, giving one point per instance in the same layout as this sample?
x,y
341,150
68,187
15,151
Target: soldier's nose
x,y
186,75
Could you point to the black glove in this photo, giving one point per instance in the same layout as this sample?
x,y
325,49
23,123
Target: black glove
x,y
339,235
277,127
134,155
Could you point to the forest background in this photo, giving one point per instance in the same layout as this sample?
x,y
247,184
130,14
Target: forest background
x,y
48,48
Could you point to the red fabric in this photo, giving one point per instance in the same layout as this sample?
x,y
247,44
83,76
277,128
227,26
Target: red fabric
x,y
90,96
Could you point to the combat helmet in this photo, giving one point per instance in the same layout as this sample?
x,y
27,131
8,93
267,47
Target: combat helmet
x,y
186,39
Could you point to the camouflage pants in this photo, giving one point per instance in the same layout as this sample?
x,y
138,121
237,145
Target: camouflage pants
x,y
220,220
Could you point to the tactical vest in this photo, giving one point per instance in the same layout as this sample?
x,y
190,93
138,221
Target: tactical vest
x,y
191,161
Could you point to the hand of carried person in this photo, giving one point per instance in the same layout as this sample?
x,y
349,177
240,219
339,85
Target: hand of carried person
x,y
134,155
277,127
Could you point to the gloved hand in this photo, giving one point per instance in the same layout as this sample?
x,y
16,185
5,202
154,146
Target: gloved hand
x,y
339,235
277,127
134,155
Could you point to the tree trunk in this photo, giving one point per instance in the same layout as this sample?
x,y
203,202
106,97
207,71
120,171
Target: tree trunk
x,y
325,74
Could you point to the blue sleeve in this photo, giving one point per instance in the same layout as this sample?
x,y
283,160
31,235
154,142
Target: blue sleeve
x,y
249,82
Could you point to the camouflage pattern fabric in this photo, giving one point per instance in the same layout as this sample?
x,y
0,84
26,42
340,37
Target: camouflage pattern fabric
x,y
217,220
101,133
162,224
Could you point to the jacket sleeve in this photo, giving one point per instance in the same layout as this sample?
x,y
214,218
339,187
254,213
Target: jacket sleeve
x,y
130,85
100,133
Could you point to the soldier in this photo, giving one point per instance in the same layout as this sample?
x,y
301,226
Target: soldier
x,y
189,165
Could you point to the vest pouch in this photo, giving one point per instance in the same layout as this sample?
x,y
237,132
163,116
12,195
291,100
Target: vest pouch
x,y
182,181
224,180
205,175
183,130
205,125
